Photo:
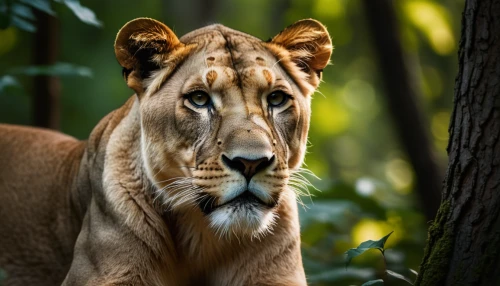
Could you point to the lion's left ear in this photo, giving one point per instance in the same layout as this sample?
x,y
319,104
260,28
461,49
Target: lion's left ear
x,y
309,46
142,46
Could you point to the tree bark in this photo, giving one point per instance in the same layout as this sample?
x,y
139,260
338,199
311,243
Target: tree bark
x,y
401,99
463,244
46,88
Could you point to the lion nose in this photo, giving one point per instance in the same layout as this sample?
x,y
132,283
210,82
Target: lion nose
x,y
248,167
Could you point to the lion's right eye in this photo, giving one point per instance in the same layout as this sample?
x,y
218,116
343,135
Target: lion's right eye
x,y
199,98
277,99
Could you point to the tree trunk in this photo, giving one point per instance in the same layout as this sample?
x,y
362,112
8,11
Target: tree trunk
x,y
401,99
463,244
278,15
187,15
46,88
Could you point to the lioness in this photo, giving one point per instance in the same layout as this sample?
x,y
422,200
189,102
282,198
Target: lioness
x,y
187,183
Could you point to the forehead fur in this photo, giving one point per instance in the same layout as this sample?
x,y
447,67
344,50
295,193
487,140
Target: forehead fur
x,y
223,46
231,47
216,32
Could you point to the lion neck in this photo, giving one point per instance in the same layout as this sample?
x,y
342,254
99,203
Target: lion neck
x,y
205,253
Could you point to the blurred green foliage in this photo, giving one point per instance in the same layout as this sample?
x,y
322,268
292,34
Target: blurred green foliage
x,y
367,186
20,13
3,275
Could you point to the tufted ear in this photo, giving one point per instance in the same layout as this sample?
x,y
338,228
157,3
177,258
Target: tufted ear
x,y
309,46
142,46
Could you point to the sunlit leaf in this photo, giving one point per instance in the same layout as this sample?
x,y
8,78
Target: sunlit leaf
x,y
364,246
83,13
374,282
57,69
399,276
42,5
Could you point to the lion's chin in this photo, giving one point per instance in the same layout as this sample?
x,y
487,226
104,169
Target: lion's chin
x,y
242,220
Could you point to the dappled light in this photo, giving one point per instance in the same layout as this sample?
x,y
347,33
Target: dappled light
x,y
9,38
331,116
367,229
433,20
400,175
360,96
439,127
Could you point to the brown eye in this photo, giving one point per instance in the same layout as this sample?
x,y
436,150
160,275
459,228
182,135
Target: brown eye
x,y
199,98
277,98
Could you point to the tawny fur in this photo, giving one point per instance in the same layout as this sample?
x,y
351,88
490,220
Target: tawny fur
x,y
109,210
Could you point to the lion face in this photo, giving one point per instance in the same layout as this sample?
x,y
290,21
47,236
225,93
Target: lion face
x,y
224,116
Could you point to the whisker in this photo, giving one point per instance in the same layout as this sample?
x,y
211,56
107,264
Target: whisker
x,y
178,191
300,184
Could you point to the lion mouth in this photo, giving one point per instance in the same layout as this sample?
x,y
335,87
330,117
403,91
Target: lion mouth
x,y
246,199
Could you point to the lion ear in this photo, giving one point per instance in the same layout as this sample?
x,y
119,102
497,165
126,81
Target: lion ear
x,y
309,46
143,45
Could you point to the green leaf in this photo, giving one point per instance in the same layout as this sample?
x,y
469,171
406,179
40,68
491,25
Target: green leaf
x,y
57,69
83,13
42,5
22,24
364,246
399,276
374,282
6,81
23,11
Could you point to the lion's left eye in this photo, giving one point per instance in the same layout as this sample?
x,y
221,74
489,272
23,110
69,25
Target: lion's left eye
x,y
199,98
277,98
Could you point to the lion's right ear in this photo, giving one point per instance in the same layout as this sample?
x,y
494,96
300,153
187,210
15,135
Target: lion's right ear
x,y
142,46
307,44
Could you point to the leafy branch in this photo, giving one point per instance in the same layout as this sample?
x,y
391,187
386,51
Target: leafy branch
x,y
379,245
20,13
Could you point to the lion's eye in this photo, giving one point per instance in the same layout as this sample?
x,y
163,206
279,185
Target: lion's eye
x,y
199,98
277,98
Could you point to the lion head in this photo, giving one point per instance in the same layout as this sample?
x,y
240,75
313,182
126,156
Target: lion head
x,y
224,116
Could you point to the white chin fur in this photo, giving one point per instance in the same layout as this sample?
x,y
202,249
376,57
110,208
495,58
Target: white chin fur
x,y
245,221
